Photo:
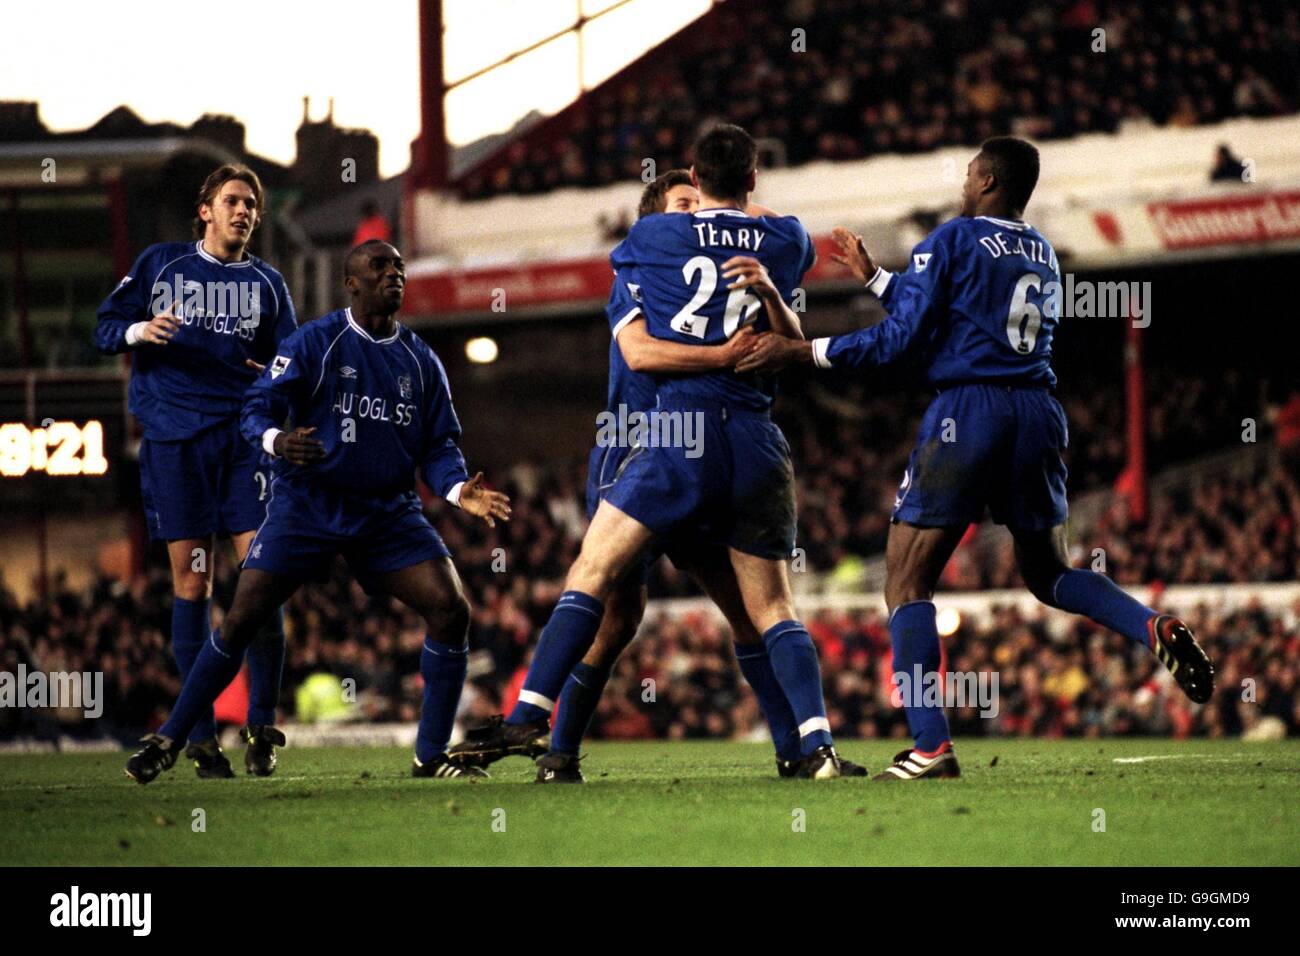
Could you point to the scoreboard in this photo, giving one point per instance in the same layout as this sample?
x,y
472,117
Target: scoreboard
x,y
64,438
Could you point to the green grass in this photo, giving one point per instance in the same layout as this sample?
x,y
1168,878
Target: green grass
x,y
1208,803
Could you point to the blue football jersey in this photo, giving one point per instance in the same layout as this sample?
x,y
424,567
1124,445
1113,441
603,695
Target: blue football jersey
x,y
381,407
676,261
631,389
976,302
229,312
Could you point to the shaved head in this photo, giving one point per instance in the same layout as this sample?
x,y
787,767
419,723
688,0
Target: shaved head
x,y
360,255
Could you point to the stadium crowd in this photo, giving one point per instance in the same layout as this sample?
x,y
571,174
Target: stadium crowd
x,y
868,76
1243,525
678,681
1219,529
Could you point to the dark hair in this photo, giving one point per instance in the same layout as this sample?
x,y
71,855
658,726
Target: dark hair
x,y
654,198
1014,164
212,186
725,157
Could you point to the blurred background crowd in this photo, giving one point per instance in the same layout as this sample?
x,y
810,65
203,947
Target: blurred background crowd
x,y
1239,526
913,76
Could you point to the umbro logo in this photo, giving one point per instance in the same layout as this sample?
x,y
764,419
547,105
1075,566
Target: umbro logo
x,y
920,260
347,371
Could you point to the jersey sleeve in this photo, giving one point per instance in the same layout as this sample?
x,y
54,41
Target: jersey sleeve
x,y
442,466
914,302
125,306
624,301
285,385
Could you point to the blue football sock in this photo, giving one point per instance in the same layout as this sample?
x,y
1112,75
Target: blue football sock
x,y
265,668
443,668
565,640
577,704
1098,597
917,654
213,670
793,657
756,665
191,625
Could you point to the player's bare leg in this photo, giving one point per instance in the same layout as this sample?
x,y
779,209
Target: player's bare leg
x,y
614,540
265,670
764,586
191,567
258,594
434,591
1044,564
914,559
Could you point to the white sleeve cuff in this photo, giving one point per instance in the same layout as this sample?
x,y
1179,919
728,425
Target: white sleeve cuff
x,y
454,494
621,323
134,332
268,441
880,281
819,347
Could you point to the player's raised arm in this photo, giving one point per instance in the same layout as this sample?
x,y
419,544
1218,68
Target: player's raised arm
x,y
914,305
746,272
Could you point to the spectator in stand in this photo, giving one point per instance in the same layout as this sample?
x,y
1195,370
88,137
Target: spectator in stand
x,y
373,225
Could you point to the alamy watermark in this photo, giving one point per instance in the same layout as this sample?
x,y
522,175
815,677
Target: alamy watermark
x,y
83,691
657,428
228,308
953,689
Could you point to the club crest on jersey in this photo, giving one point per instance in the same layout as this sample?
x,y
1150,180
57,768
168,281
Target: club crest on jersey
x,y
404,385
920,260
279,365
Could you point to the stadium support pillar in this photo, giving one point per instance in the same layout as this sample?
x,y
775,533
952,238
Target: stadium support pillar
x,y
430,167
1136,470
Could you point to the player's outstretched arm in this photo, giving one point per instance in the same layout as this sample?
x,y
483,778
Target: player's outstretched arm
x,y
746,272
645,353
478,499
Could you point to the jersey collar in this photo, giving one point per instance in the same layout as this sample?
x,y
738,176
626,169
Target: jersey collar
x,y
366,335
723,211
1008,223
241,264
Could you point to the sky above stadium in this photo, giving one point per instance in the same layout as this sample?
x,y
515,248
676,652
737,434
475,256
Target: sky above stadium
x,y
178,60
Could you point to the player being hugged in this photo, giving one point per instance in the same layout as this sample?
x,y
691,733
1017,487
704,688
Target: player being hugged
x,y
635,358
975,303
368,405
199,319
734,483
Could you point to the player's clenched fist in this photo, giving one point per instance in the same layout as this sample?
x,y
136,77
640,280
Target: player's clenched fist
x,y
298,448
853,253
478,499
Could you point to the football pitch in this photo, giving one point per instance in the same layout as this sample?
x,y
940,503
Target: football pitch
x,y
1019,802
